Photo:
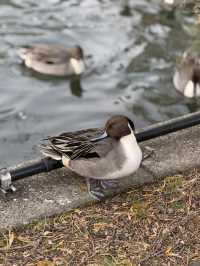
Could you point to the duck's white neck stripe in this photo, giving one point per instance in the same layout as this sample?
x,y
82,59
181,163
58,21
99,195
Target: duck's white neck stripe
x,y
128,139
78,65
189,89
169,2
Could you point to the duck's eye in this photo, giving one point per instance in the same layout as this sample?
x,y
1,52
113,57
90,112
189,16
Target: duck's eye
x,y
110,127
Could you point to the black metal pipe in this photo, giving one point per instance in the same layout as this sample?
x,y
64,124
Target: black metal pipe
x,y
157,130
43,165
169,126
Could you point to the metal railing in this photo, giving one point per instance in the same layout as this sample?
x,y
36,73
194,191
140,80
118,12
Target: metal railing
x,y
7,177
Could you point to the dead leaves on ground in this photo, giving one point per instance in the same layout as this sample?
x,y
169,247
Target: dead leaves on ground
x,y
153,225
45,263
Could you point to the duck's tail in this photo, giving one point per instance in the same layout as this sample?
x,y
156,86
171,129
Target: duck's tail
x,y
23,52
50,152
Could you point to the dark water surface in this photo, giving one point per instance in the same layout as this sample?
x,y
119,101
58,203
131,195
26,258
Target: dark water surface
x,y
132,54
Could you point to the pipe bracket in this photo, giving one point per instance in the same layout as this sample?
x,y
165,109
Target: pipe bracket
x,y
6,181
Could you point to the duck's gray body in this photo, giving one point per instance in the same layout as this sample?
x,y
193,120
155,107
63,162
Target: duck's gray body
x,y
50,59
105,159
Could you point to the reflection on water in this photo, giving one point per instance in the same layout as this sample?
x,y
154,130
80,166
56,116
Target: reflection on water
x,y
75,86
131,48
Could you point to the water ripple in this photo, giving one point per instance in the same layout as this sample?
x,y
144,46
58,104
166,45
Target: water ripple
x,y
131,46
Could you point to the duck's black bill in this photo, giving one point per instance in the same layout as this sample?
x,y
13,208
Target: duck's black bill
x,y
47,164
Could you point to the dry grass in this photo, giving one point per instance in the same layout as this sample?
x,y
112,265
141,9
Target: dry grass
x,y
154,225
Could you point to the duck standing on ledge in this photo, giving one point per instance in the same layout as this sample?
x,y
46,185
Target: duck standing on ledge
x,y
53,60
99,155
186,78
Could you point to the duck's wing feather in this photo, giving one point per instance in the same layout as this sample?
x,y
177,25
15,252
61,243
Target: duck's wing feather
x,y
77,144
49,54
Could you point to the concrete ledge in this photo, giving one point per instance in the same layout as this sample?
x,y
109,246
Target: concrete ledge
x,y
58,191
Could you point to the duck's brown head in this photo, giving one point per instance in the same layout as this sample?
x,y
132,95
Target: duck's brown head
x,y
76,52
119,126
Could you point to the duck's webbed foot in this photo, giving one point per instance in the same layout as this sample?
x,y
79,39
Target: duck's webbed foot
x,y
148,152
99,188
95,189
109,184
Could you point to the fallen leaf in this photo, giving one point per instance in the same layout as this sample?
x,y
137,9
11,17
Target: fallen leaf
x,y
45,263
168,252
138,209
23,239
11,237
99,226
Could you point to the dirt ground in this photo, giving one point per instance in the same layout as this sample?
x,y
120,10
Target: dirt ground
x,y
155,224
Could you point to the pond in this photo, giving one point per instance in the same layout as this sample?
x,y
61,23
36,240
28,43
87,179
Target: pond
x,y
131,49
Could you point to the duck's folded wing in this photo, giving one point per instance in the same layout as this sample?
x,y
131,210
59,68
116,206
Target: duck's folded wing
x,y
77,144
49,151
44,53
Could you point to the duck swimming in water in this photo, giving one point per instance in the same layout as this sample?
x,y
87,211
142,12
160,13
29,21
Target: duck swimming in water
x,y
53,60
99,155
186,78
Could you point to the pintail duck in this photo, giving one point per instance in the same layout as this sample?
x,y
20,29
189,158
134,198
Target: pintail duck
x,y
186,78
53,59
179,2
100,154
